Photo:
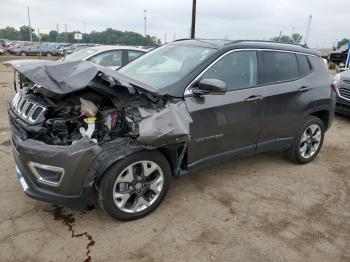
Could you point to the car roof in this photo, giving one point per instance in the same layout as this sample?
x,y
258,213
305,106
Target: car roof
x,y
221,44
101,48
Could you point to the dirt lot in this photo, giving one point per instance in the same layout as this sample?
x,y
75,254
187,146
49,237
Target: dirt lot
x,y
261,208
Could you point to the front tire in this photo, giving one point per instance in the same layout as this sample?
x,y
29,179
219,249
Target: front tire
x,y
135,186
308,142
23,54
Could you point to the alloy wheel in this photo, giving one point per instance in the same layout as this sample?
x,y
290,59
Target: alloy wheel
x,y
310,141
138,186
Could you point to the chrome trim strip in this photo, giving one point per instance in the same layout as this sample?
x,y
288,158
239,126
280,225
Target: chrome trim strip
x,y
33,165
188,88
20,105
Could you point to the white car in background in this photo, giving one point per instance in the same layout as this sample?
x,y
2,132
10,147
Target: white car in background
x,y
2,50
108,56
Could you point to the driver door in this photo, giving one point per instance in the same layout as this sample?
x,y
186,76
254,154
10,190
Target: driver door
x,y
227,125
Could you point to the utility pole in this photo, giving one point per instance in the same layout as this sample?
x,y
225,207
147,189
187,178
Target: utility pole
x,y
164,38
58,33
39,43
145,19
306,39
193,25
279,37
65,33
30,27
82,40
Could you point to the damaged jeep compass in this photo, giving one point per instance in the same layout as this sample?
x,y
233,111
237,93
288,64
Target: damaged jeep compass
x,y
84,134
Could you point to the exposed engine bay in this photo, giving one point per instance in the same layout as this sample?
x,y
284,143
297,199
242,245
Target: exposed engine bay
x,y
92,102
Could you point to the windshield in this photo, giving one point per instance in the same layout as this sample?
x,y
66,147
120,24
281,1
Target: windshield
x,y
166,65
79,55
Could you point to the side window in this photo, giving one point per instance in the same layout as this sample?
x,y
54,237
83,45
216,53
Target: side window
x,y
237,69
304,65
279,67
134,54
109,58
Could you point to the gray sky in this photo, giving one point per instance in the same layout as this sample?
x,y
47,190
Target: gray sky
x,y
246,19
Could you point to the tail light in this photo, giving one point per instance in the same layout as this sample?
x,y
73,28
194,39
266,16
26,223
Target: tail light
x,y
334,87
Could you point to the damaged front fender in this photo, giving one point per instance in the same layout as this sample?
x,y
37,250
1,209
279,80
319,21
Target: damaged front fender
x,y
167,126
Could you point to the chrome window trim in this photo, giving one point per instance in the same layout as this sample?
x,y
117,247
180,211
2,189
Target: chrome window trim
x,y
33,165
188,88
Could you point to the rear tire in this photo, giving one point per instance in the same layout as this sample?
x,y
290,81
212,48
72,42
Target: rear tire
x,y
308,143
135,186
23,54
48,54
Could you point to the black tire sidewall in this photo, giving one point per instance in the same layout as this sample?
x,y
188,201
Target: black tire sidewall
x,y
108,180
309,121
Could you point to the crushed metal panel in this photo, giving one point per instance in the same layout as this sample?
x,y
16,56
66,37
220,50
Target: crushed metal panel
x,y
57,77
170,125
62,77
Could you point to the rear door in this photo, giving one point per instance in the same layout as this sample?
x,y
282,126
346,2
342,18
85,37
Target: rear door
x,y
285,76
227,125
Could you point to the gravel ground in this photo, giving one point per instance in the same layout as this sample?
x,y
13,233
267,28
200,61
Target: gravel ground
x,y
261,208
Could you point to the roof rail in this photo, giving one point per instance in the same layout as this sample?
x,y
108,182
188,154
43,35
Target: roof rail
x,y
266,41
181,39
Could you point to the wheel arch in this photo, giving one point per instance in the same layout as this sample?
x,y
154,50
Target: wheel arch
x,y
324,115
323,112
110,156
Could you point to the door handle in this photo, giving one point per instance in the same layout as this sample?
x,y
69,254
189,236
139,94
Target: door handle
x,y
253,99
304,88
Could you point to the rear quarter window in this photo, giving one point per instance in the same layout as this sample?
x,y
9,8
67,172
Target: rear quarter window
x,y
279,67
304,65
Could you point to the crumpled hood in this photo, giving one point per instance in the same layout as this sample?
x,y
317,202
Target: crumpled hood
x,y
65,77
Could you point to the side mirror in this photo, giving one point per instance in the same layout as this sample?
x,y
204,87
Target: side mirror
x,y
210,86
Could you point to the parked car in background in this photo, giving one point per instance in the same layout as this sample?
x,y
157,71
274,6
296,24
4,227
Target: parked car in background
x,y
340,55
2,43
71,48
343,97
109,56
84,134
63,47
15,45
2,50
36,50
51,45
